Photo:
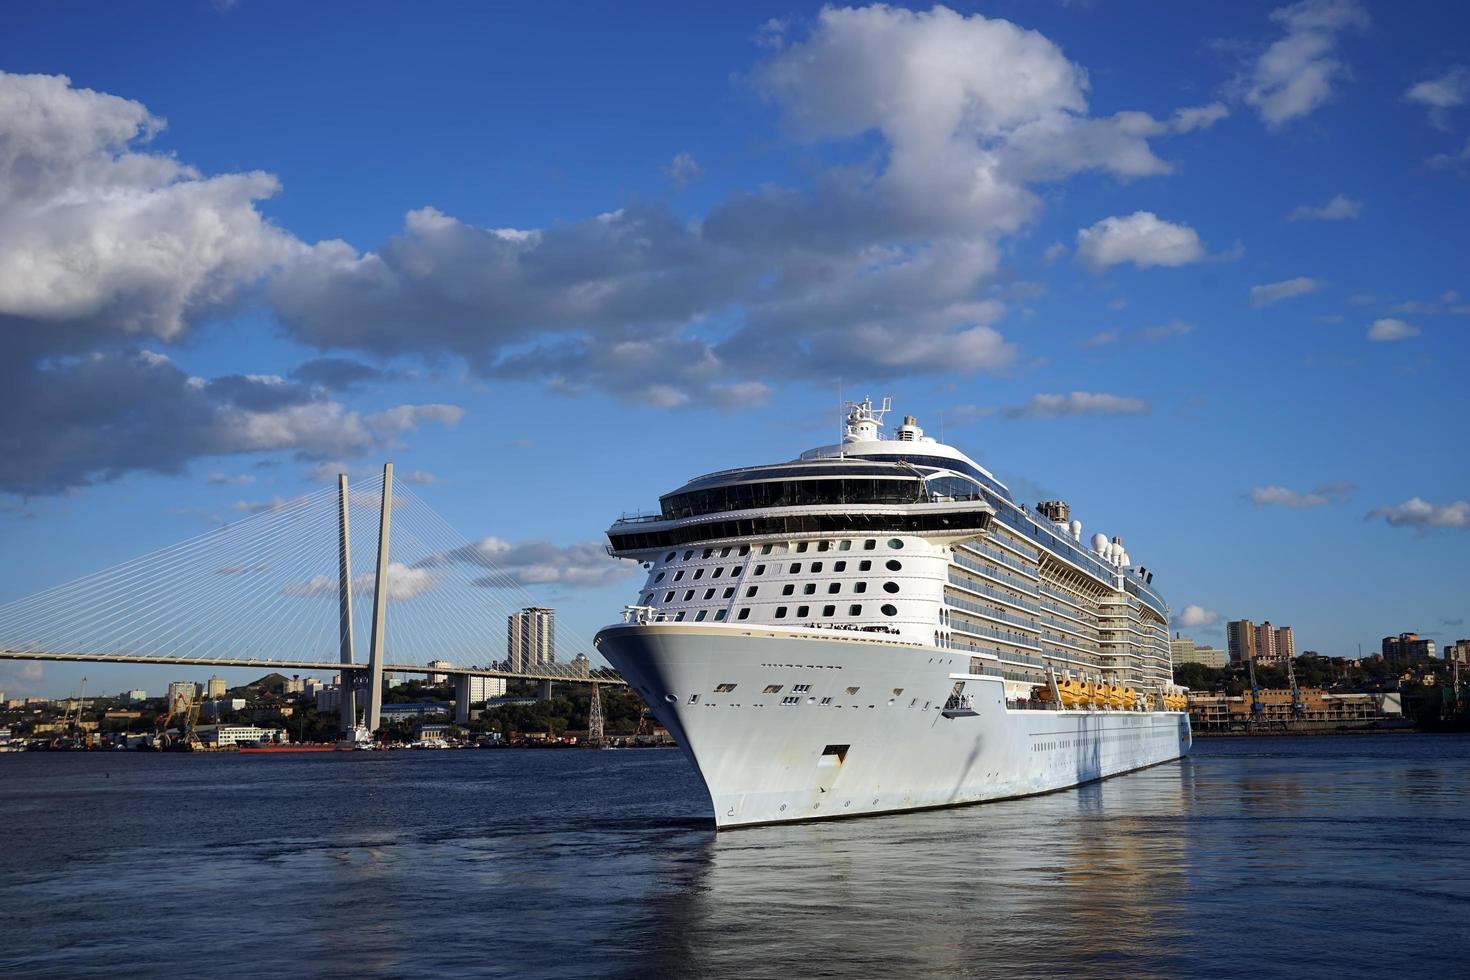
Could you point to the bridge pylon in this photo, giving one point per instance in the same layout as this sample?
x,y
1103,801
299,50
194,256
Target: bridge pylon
x,y
594,717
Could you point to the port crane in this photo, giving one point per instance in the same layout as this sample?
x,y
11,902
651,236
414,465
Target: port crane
x,y
1256,706
1297,709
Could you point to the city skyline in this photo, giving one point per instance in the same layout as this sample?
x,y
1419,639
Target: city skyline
x,y
553,277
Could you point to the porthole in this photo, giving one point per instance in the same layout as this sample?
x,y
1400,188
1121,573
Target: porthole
x,y
718,572
840,566
724,552
729,593
802,611
760,569
816,567
670,556
788,588
679,618
890,587
671,698
688,595
710,593
889,609
865,565
860,587
893,565
699,572
659,578
780,612
699,617
895,543
689,554
750,592
854,610
744,614
708,552
829,610
844,546
795,567
824,545
868,545
809,589
668,597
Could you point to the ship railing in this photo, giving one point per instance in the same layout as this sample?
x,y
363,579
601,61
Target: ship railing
x,y
640,615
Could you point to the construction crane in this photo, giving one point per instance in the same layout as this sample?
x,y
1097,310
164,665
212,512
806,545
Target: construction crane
x,y
1256,706
190,736
1297,709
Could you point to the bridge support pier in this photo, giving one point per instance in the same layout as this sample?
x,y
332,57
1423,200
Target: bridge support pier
x,y
373,710
462,699
545,692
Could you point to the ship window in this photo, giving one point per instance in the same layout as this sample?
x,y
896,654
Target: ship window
x,y
699,617
708,552
895,543
718,572
834,588
694,699
660,577
668,597
670,556
760,569
744,550
780,612
724,688
790,700
860,587
688,595
809,589
844,546
729,593
689,554
829,610
851,691
772,689
750,592
803,611
801,548
889,609
788,589
801,688
894,565
720,615
765,549
864,565
824,545
744,614
840,566
897,691
699,572
795,567
724,552
890,587
826,700
854,610
868,545
816,567
678,575
709,593
680,617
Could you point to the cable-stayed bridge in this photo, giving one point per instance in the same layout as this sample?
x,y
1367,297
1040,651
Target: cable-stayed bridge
x,y
365,579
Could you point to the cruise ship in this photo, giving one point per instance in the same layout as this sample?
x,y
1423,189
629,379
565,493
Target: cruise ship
x,y
879,626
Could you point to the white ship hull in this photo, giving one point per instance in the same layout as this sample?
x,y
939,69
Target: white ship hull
x,y
887,746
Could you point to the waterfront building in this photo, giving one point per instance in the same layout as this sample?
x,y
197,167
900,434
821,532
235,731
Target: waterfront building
x,y
438,678
215,688
530,638
1407,646
1214,711
134,696
1185,651
1240,640
328,699
222,736
416,709
294,685
1458,651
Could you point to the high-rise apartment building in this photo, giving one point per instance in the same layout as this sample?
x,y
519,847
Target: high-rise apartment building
x,y
1266,642
1285,643
181,694
1240,640
1458,651
530,638
1407,646
215,688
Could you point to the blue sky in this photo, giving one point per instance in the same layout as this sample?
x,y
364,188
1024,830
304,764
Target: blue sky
x,y
1198,270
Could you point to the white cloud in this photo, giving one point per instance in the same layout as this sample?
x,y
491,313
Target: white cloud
x,y
404,582
1286,289
1076,403
1456,160
227,479
419,477
1340,208
1162,331
1194,617
1199,117
1388,328
683,169
1295,75
1319,496
585,564
1053,252
1417,512
1449,91
111,240
1141,238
